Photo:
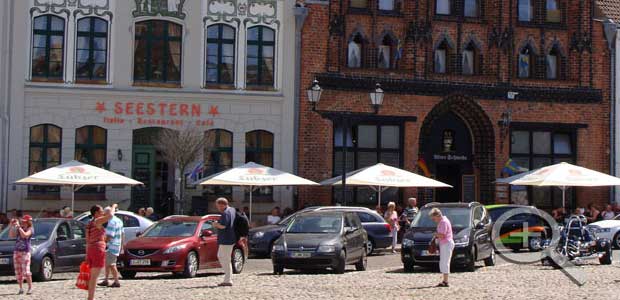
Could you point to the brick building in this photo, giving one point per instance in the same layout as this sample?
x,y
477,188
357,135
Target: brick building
x,y
469,85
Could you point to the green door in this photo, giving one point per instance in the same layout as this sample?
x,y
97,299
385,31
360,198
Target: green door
x,y
143,170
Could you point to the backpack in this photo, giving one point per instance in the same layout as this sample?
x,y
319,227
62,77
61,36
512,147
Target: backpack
x,y
241,225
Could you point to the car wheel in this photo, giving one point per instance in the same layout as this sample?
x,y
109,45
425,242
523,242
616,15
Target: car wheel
x,y
128,274
534,244
238,261
490,261
607,257
46,270
191,265
363,263
409,267
617,240
278,270
370,247
342,262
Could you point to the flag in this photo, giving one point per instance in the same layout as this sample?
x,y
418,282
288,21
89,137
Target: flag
x,y
196,172
422,165
511,168
399,51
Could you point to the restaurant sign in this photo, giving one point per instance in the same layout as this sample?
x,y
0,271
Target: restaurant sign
x,y
157,113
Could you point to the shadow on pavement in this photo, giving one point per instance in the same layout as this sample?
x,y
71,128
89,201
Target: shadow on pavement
x,y
172,276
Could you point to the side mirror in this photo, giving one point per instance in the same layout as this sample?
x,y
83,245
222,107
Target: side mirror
x,y
206,233
61,238
138,234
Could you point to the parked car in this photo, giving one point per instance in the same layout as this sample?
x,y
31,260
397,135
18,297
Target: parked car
x,y
609,229
526,230
182,245
58,245
379,232
321,240
133,224
471,227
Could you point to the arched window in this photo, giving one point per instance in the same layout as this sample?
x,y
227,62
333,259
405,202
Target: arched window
x,y
157,53
553,63
91,147
260,53
48,42
470,63
44,152
259,149
553,12
385,52
526,10
525,63
443,7
355,52
441,59
218,157
472,9
220,54
91,49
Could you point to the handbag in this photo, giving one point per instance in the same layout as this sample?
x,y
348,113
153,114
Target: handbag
x,y
83,277
432,247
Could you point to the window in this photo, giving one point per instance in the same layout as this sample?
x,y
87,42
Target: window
x,y
218,157
552,65
469,60
92,49
220,54
354,53
471,9
552,8
443,7
206,226
525,63
78,231
260,53
63,232
48,41
45,148
526,10
532,149
259,149
157,53
385,52
386,5
367,145
90,148
359,3
441,58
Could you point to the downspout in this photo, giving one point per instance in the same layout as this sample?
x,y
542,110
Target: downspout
x,y
301,12
6,113
610,29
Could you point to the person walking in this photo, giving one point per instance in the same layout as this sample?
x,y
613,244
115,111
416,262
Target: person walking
x,y
114,239
446,243
21,231
409,212
226,238
391,217
95,245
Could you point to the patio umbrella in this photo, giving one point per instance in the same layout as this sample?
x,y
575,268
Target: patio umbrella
x,y
565,175
512,178
381,177
76,175
254,175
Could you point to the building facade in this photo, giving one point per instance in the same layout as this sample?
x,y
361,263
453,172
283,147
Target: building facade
x,y
98,80
474,90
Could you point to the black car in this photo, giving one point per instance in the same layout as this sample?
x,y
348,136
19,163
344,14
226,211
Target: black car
x,y
261,238
471,227
321,240
58,245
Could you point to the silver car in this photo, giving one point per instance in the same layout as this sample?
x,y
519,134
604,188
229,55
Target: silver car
x,y
132,223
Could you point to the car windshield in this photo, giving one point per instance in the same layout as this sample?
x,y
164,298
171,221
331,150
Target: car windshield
x,y
498,212
289,218
315,224
458,216
171,228
42,231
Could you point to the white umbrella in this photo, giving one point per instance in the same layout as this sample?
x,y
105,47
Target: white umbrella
x,y
254,175
382,176
76,175
512,178
565,175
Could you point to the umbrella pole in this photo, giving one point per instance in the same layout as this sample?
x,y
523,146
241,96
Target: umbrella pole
x,y
251,192
379,196
72,197
563,196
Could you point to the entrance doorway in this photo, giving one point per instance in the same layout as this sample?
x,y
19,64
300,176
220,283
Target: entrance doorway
x,y
450,174
150,168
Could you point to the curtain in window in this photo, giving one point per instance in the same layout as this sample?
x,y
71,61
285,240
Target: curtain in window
x,y
440,61
552,66
471,8
553,11
443,7
384,57
526,10
468,62
354,55
524,65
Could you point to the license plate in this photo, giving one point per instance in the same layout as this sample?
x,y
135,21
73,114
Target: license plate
x,y
300,254
426,253
4,261
140,262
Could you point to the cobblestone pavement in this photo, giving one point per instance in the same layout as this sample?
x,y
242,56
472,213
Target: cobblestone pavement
x,y
384,280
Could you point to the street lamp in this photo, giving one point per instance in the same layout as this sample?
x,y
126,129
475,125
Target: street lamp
x,y
314,94
376,97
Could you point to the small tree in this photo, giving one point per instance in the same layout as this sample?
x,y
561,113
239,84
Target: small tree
x,y
181,148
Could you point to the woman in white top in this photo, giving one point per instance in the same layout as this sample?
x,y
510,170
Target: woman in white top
x,y
274,217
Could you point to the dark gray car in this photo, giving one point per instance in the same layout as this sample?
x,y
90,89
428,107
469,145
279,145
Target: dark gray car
x,y
58,245
321,240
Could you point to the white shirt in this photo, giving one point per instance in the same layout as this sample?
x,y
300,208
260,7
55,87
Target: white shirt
x,y
273,219
607,215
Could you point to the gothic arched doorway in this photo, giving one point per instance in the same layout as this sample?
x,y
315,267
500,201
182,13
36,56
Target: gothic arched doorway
x,y
457,142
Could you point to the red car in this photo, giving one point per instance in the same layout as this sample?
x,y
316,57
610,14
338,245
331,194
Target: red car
x,y
178,244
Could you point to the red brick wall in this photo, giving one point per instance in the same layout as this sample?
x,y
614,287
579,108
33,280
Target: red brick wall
x,y
322,52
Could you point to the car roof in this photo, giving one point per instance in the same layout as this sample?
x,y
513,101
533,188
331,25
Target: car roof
x,y
322,213
184,218
451,204
496,206
348,208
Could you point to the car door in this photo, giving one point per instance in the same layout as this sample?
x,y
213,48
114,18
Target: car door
x,y
482,232
208,247
351,238
78,231
361,233
131,226
64,249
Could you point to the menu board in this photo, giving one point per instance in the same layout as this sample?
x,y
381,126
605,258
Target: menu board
x,y
469,188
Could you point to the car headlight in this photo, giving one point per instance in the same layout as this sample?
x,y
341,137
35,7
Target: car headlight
x,y
326,249
461,241
278,248
176,248
604,230
258,235
407,243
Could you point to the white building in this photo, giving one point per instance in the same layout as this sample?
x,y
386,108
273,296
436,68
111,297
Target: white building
x,y
96,80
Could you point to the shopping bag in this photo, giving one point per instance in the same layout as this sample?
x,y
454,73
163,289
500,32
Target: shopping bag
x,y
83,277
432,247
